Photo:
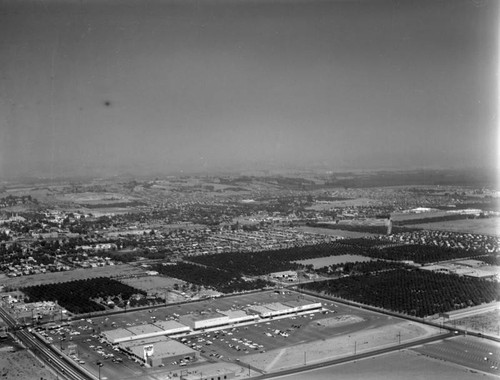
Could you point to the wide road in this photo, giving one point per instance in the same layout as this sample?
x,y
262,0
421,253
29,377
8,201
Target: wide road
x,y
458,314
44,352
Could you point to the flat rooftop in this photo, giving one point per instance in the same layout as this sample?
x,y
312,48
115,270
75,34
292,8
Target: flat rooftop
x,y
276,306
161,348
144,329
299,302
202,317
259,309
112,335
170,325
236,313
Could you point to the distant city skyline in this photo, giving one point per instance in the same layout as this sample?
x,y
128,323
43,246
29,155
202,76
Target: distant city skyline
x,y
109,87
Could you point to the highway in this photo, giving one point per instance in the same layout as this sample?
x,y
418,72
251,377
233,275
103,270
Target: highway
x,y
57,362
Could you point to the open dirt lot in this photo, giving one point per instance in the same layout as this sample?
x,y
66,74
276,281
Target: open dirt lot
x,y
19,363
486,323
122,270
159,285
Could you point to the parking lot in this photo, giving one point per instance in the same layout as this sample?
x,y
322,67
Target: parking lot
x,y
469,351
80,340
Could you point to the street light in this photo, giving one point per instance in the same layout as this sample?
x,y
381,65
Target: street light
x,y
99,365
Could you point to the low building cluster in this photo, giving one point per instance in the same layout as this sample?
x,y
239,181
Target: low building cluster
x,y
467,241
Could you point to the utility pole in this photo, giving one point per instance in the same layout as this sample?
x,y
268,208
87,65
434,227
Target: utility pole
x,y
355,347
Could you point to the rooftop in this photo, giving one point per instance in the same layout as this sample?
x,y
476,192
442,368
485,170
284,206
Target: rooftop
x,y
144,329
162,348
203,317
169,325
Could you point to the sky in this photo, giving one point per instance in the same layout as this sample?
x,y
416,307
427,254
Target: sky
x,y
115,86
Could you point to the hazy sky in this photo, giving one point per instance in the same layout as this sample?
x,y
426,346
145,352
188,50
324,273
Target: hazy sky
x,y
123,85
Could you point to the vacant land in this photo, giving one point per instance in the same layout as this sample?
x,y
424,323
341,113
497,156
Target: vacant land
x,y
339,346
153,284
333,232
122,270
339,321
490,226
395,366
19,363
95,198
398,217
488,323
333,260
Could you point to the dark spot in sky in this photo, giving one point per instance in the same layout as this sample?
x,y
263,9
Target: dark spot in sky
x,y
107,103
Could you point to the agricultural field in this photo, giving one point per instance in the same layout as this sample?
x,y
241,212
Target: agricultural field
x,y
333,260
84,296
411,291
486,226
